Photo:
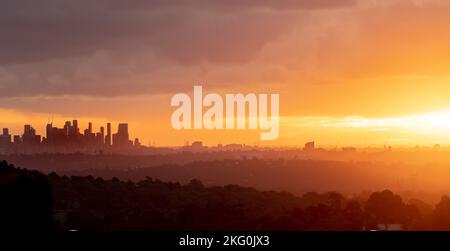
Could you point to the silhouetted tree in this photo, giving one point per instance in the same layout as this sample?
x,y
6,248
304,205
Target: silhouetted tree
x,y
353,216
441,215
26,200
386,208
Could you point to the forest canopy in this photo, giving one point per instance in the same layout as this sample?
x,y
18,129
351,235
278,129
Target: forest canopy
x,y
32,200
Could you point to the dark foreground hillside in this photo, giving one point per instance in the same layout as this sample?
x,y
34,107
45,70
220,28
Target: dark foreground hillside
x,y
31,200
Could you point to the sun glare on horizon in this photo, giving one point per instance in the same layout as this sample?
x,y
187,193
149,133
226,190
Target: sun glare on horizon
x,y
412,129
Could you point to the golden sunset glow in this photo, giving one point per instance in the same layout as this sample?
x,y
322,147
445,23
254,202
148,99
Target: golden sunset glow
x,y
362,73
195,116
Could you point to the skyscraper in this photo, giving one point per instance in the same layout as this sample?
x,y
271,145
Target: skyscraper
x,y
29,136
49,132
68,138
75,125
67,127
121,138
5,138
309,146
102,135
108,134
123,130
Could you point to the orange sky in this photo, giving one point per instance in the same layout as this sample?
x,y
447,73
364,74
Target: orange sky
x,y
349,73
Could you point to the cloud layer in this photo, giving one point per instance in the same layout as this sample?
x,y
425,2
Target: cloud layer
x,y
118,48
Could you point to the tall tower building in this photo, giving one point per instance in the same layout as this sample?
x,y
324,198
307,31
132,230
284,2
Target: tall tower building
x,y
102,135
27,129
108,134
67,127
5,138
75,126
123,130
29,135
121,138
49,132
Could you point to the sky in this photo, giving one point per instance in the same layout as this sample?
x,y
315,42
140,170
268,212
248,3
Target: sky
x,y
348,72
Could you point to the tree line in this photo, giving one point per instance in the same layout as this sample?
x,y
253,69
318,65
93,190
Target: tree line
x,y
31,200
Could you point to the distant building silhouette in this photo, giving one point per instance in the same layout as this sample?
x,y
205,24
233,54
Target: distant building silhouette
x,y
108,134
349,149
5,140
196,146
29,136
17,140
68,139
310,146
121,138
136,142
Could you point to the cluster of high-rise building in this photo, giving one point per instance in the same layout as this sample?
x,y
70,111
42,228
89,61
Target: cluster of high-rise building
x,y
68,138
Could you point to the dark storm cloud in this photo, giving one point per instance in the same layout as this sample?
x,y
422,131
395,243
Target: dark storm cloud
x,y
236,4
116,47
47,29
